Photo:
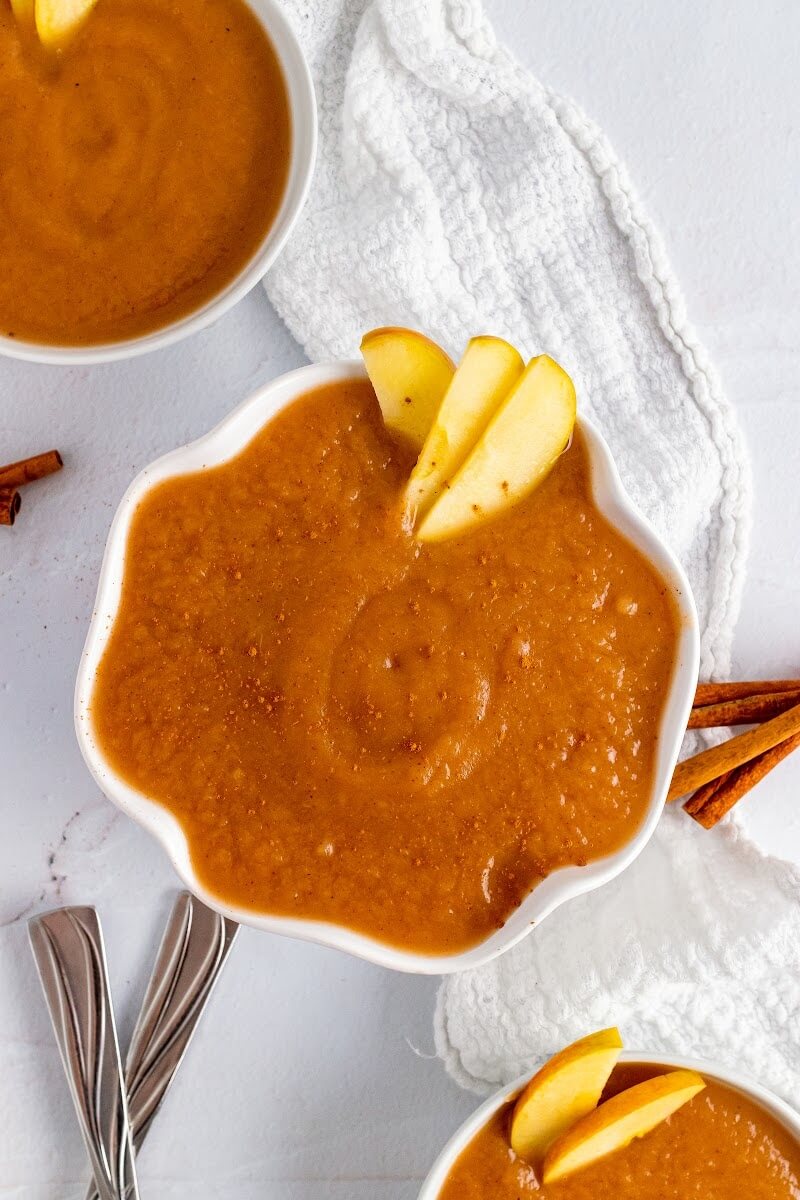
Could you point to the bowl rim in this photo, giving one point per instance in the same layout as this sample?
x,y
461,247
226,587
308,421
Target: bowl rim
x,y
738,1080
303,114
223,442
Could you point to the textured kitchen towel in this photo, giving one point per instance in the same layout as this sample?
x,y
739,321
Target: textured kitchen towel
x,y
457,194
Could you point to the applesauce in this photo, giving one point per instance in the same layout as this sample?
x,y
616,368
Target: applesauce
x,y
142,166
404,739
719,1146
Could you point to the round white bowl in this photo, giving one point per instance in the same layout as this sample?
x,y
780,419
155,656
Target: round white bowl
x,y
224,442
776,1107
303,110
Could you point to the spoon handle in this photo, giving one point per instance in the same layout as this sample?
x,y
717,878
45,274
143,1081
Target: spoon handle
x,y
68,947
193,951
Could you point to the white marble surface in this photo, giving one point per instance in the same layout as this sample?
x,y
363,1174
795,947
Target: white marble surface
x,y
304,1080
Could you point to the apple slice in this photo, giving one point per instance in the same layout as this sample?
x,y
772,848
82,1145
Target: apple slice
x,y
517,450
410,375
631,1114
58,20
23,11
486,373
564,1090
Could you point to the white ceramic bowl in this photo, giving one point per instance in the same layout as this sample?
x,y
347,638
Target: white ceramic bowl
x,y
222,443
303,109
777,1108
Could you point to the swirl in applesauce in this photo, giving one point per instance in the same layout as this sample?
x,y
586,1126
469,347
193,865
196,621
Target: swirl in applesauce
x,y
352,726
403,694
142,166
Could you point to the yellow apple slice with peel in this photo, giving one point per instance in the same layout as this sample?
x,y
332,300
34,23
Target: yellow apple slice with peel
x,y
58,20
614,1125
486,373
516,451
410,375
562,1092
23,11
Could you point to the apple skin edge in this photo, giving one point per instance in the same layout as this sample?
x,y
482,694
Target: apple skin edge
x,y
488,370
564,1090
518,449
410,375
485,434
58,20
616,1123
23,11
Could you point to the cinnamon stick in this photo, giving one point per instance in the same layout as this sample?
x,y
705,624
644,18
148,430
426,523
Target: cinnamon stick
x,y
9,505
745,710
693,772
28,470
710,803
718,693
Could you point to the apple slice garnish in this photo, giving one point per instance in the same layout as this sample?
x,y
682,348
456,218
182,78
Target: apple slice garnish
x,y
58,20
521,443
566,1088
23,11
614,1125
485,375
410,375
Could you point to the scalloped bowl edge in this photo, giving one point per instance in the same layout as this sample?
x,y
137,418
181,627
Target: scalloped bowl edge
x,y
222,443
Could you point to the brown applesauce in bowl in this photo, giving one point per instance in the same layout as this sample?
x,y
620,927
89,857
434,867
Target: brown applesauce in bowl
x,y
721,1146
143,166
353,727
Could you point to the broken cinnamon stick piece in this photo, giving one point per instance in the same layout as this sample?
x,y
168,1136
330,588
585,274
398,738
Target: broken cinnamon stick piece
x,y
693,772
714,800
9,505
28,470
746,710
717,693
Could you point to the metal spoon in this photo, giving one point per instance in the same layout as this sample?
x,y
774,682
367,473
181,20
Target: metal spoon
x,y
68,947
193,951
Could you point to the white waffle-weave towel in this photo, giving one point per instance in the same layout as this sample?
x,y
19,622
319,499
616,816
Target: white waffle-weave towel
x,y
456,194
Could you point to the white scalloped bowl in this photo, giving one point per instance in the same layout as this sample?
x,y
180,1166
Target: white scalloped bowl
x,y
223,443
303,110
777,1108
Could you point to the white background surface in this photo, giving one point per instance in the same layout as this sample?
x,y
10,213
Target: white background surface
x,y
302,1081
